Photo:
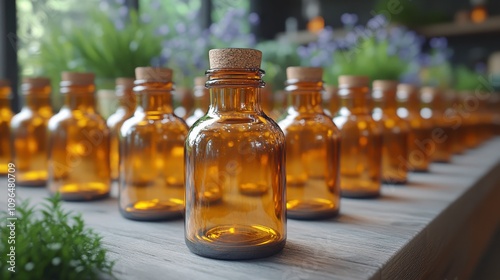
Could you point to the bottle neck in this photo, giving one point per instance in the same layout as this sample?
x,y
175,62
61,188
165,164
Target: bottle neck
x,y
155,98
356,99
386,99
127,100
201,98
304,97
79,97
37,102
235,90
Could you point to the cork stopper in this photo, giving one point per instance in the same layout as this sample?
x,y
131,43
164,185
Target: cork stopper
x,y
200,81
353,81
385,85
78,78
125,82
156,74
4,83
304,73
36,82
234,58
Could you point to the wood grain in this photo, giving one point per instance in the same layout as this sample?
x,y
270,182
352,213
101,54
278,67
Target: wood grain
x,y
416,231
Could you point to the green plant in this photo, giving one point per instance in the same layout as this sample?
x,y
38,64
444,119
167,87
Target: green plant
x,y
51,243
467,80
276,57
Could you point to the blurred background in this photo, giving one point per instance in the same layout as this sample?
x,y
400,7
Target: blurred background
x,y
449,43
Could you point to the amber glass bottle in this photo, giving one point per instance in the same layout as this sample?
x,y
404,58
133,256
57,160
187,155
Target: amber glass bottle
x,y
453,121
152,151
312,148
361,149
394,133
441,134
201,101
78,143
126,107
29,132
5,118
419,155
471,119
235,166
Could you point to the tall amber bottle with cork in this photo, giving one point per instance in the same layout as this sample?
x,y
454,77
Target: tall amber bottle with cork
x,y
419,155
201,101
152,151
361,149
78,143
5,118
29,132
125,110
394,133
235,166
312,148
441,134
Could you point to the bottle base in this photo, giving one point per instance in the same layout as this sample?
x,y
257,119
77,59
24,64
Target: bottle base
x,y
315,209
390,181
154,210
360,194
237,242
83,191
32,183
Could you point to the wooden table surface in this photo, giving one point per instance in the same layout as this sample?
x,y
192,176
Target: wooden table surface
x,y
419,230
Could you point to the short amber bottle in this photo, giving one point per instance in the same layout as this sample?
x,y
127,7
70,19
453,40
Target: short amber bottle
x,y
29,132
419,155
126,106
312,148
78,143
235,166
5,118
152,151
441,135
361,149
394,133
201,101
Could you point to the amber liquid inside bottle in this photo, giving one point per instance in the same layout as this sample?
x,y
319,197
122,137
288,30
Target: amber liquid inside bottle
x,y
235,173
125,110
419,154
152,153
312,154
29,134
78,147
361,149
5,118
394,138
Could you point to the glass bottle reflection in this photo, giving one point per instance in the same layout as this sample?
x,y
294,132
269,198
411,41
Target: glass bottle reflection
x,y
361,149
29,132
312,148
235,166
152,151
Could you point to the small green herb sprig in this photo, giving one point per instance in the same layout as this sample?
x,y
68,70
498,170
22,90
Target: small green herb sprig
x,y
52,243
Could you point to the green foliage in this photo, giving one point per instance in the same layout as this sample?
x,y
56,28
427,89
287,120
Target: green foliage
x,y
369,58
410,13
466,79
53,244
276,57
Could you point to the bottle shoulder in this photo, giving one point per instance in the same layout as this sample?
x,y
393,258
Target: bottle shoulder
x,y
141,123
307,122
66,117
250,128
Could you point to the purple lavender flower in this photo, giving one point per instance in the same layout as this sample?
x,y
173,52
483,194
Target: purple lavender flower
x,y
349,20
253,18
